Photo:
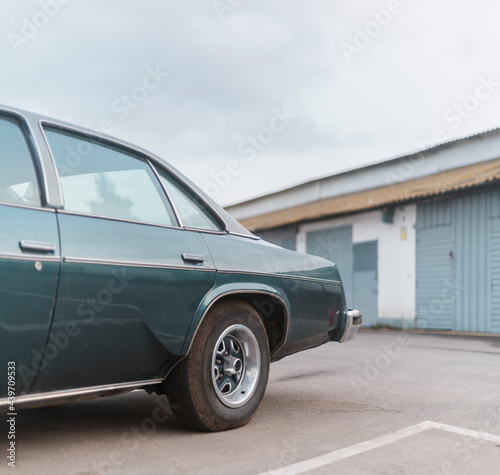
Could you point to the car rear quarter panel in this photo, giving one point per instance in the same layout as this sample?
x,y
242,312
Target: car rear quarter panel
x,y
309,286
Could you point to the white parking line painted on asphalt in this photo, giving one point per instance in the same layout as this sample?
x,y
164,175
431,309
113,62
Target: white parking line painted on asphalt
x,y
326,459
470,433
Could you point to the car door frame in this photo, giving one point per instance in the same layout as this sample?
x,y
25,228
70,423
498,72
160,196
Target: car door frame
x,y
33,252
43,382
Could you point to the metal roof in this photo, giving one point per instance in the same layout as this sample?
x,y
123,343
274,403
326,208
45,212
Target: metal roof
x,y
391,160
479,174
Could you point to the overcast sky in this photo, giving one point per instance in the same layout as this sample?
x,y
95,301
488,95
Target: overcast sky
x,y
250,96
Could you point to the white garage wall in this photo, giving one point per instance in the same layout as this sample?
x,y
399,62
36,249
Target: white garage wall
x,y
396,257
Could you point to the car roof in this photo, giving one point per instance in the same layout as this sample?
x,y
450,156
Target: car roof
x,y
233,226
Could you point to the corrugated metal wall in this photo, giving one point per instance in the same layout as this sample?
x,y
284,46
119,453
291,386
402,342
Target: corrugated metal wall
x,y
471,216
434,266
458,264
365,280
495,276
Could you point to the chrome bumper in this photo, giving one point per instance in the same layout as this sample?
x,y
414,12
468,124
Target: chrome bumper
x,y
353,320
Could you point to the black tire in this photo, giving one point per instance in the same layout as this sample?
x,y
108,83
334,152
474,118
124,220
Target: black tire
x,y
201,394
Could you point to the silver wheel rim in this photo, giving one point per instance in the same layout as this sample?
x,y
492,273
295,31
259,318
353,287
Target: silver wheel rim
x,y
235,366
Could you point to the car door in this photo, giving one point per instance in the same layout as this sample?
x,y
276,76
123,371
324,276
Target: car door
x,y
132,277
29,258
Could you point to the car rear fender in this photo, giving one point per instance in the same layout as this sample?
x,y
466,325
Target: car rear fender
x,y
271,303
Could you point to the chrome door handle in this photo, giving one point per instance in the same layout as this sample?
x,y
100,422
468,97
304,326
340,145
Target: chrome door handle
x,y
194,258
35,246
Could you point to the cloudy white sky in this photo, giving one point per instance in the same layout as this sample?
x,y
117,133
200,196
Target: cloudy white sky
x,y
250,96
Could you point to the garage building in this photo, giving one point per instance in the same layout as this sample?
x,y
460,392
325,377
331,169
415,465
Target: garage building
x,y
416,238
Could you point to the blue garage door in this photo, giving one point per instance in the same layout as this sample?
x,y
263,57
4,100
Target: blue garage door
x,y
495,276
435,279
472,290
458,263
365,281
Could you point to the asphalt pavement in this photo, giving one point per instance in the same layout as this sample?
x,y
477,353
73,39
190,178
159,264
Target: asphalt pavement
x,y
385,403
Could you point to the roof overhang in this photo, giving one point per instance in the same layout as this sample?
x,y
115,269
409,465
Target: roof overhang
x,y
450,181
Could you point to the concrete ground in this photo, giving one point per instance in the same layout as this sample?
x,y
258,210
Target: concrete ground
x,y
385,403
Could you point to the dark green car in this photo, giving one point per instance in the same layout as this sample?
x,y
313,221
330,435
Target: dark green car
x,y
117,273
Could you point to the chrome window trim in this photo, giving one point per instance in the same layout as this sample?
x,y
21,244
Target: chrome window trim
x,y
206,231
131,221
34,208
121,144
186,185
45,185
146,265
122,220
78,394
283,276
167,194
32,143
253,237
219,218
29,257
53,124
53,160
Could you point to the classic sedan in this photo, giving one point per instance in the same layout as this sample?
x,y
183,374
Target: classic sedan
x,y
117,273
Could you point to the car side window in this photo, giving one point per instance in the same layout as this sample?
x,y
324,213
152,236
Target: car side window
x,y
18,180
192,211
103,180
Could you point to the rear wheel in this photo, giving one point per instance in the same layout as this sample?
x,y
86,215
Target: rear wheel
x,y
220,383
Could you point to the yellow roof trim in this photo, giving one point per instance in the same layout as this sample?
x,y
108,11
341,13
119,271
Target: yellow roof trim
x,y
452,180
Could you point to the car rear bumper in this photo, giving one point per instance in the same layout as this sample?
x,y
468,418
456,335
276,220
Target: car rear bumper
x,y
353,322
